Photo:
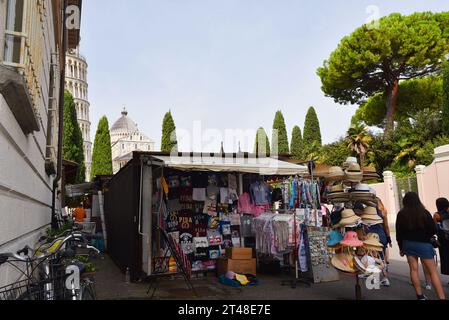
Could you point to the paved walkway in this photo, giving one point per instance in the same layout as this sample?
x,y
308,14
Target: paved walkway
x,y
111,286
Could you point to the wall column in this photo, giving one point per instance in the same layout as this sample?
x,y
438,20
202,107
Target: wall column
x,y
392,204
420,170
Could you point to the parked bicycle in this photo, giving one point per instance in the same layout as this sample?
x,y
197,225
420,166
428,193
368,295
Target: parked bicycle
x,y
46,273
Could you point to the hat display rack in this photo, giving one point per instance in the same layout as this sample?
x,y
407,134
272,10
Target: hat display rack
x,y
348,253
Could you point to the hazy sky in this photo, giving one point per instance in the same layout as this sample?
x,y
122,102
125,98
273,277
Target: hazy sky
x,y
230,64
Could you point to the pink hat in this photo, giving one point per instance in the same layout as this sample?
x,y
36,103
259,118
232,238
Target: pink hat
x,y
351,240
230,275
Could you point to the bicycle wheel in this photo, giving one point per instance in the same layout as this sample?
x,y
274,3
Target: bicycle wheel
x,y
88,292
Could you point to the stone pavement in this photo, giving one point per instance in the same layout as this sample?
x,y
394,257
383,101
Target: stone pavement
x,y
110,283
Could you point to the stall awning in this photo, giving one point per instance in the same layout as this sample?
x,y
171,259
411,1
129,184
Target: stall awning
x,y
262,166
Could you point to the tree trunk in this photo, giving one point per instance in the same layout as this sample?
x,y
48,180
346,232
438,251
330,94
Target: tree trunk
x,y
392,100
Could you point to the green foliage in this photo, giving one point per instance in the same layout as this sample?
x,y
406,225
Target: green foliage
x,y
414,95
169,139
72,139
412,143
312,134
262,143
446,98
279,135
102,153
297,145
335,154
374,59
359,140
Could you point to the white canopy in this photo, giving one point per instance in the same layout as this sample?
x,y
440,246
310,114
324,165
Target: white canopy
x,y
262,166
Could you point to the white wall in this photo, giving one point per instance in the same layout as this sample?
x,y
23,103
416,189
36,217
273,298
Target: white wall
x,y
25,187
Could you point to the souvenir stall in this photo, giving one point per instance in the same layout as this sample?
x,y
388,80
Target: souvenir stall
x,y
357,241
207,205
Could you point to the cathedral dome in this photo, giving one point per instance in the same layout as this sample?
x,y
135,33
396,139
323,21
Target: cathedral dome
x,y
124,125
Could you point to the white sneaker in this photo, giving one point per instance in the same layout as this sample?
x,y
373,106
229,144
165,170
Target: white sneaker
x,y
428,287
385,282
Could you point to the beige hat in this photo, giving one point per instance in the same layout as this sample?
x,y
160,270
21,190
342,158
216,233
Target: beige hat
x,y
344,262
354,176
370,215
335,174
337,194
373,240
348,218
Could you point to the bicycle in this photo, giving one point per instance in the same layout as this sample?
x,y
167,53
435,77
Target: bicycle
x,y
45,272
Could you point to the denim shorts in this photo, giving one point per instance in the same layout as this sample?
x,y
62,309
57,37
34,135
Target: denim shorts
x,y
422,250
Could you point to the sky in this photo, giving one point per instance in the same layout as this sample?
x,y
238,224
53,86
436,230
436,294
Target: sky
x,y
223,67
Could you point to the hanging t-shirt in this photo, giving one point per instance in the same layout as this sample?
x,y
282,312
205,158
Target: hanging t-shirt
x,y
212,191
198,207
202,253
200,180
186,242
227,242
185,219
213,223
200,224
246,226
225,228
232,181
185,195
214,253
199,194
210,207
234,219
186,181
224,195
172,222
173,181
214,237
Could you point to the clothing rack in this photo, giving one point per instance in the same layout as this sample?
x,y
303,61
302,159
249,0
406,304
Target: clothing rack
x,y
298,279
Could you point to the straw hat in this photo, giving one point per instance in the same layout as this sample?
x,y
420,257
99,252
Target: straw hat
x,y
337,194
372,242
359,264
344,262
335,174
348,218
373,239
349,161
370,215
362,192
354,173
351,240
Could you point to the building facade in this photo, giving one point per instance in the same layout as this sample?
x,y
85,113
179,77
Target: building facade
x,y
31,56
76,84
125,139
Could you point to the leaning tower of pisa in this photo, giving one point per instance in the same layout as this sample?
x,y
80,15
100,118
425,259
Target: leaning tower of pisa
x,y
76,83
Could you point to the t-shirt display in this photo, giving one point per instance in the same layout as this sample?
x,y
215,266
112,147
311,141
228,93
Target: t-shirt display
x,y
206,215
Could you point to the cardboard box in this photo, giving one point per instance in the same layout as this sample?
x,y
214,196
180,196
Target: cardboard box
x,y
238,266
239,253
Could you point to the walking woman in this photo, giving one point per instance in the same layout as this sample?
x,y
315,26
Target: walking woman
x,y
415,229
441,218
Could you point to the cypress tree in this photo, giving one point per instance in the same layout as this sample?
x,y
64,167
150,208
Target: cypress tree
x,y
169,140
102,153
297,143
280,137
262,144
312,131
446,98
72,139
